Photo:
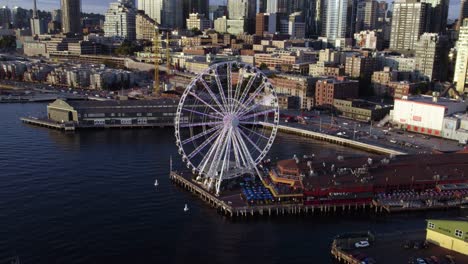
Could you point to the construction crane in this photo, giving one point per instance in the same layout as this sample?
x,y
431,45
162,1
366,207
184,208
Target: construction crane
x,y
156,43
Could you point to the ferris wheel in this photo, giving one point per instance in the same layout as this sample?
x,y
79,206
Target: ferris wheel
x,y
218,124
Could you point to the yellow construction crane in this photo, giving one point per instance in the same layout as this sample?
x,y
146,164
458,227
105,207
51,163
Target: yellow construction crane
x,y
156,88
168,54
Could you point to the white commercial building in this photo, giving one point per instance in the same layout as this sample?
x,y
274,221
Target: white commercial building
x,y
120,22
425,114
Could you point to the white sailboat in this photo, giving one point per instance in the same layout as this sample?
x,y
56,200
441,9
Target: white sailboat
x,y
186,208
156,183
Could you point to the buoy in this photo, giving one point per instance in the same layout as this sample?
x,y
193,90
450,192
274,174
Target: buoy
x,y
186,208
156,183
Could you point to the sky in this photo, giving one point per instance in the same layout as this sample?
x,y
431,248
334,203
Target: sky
x,y
100,6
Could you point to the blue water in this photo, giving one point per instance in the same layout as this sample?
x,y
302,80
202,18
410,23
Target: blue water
x,y
88,197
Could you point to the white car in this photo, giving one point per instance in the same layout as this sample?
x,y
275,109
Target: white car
x,y
362,244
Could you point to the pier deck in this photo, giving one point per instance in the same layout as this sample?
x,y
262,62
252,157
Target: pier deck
x,y
232,205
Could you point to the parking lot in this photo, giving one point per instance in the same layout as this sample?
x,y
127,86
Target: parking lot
x,y
385,136
407,248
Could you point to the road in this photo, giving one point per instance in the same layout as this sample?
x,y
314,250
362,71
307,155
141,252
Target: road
x,y
381,136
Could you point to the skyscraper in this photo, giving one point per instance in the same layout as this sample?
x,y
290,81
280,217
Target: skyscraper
x,y
245,10
335,20
120,21
195,6
57,15
439,15
21,17
278,6
461,65
71,16
168,13
463,12
5,17
410,19
37,25
366,15
152,8
432,56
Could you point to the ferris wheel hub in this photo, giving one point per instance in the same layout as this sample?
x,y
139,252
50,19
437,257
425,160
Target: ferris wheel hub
x,y
231,121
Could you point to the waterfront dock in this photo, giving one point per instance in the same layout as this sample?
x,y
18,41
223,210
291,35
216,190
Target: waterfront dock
x,y
47,123
231,205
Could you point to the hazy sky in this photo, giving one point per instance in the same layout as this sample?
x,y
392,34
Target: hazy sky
x,y
100,6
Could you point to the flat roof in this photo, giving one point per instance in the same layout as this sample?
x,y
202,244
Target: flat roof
x,y
426,99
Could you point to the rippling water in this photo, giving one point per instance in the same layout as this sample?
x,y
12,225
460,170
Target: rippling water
x,y
88,197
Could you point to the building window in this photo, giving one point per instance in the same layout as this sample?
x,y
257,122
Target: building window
x,y
431,225
458,233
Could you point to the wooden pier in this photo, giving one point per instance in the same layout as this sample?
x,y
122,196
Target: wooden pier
x,y
48,124
224,207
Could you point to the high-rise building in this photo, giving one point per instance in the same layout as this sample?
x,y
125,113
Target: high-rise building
x,y
217,12
120,22
57,15
153,8
432,57
198,21
5,17
168,13
38,25
266,23
144,26
128,3
339,20
439,15
366,15
261,6
71,16
195,6
21,17
245,10
410,19
463,12
278,6
461,65
296,26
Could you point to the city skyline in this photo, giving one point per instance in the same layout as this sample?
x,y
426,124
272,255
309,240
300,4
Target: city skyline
x,y
102,6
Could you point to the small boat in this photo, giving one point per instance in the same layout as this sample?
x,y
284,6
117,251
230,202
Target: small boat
x,y
186,208
156,183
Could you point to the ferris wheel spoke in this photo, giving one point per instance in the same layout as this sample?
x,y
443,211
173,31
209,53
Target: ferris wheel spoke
x,y
201,167
249,122
246,90
240,80
245,150
201,124
254,132
203,145
229,86
205,103
204,133
250,141
212,95
252,97
218,155
239,151
220,89
244,117
201,113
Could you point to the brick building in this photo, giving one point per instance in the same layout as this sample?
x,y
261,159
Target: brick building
x,y
337,88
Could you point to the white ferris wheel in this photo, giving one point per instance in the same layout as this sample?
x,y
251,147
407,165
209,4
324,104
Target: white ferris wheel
x,y
218,124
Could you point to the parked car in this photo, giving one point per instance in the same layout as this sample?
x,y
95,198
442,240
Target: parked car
x,y
420,261
362,244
